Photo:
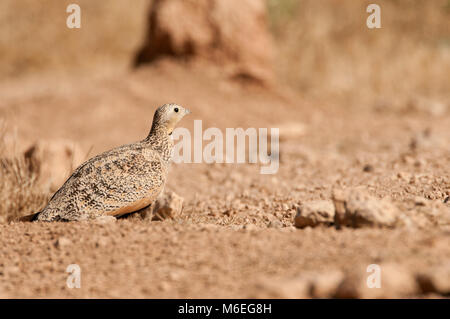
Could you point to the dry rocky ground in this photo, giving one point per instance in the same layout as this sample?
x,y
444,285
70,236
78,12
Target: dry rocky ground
x,y
364,174
363,185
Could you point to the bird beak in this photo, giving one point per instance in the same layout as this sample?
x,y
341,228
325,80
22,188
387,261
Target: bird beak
x,y
186,112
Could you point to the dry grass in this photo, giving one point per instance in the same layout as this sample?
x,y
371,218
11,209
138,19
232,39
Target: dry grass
x,y
20,193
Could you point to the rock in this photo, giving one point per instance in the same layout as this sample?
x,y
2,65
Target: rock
x,y
213,30
435,280
396,281
438,213
169,205
314,213
429,213
55,160
356,208
309,284
348,288
325,285
281,288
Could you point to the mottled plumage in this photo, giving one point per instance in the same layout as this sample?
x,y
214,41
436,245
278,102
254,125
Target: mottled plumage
x,y
120,181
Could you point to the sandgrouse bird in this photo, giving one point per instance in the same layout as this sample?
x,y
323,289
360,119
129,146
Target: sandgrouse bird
x,y
120,181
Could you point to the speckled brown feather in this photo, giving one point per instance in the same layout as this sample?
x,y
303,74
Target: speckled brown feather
x,y
119,181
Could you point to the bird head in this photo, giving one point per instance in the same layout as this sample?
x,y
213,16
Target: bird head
x,y
167,116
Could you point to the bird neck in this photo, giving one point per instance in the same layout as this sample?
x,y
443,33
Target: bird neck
x,y
160,140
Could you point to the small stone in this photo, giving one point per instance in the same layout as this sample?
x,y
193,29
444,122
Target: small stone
x,y
404,176
339,200
309,284
281,288
314,213
169,205
434,213
390,280
396,281
435,280
55,160
356,208
324,285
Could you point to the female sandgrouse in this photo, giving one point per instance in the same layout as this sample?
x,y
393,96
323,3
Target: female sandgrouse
x,y
120,181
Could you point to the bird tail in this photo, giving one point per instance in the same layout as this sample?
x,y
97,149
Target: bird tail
x,y
28,218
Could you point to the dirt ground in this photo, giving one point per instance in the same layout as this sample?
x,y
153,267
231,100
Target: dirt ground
x,y
356,108
210,251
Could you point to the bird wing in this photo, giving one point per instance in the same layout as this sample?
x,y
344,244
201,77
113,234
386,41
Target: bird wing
x,y
138,204
114,183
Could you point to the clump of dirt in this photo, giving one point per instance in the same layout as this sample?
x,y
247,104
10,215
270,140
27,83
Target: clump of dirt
x,y
57,158
237,40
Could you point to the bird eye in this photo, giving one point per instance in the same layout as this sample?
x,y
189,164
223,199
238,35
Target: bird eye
x,y
176,110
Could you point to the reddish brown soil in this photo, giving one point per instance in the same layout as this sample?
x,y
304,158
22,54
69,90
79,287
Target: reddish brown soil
x,y
207,251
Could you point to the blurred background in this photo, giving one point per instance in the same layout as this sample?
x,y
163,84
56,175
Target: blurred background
x,y
322,48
